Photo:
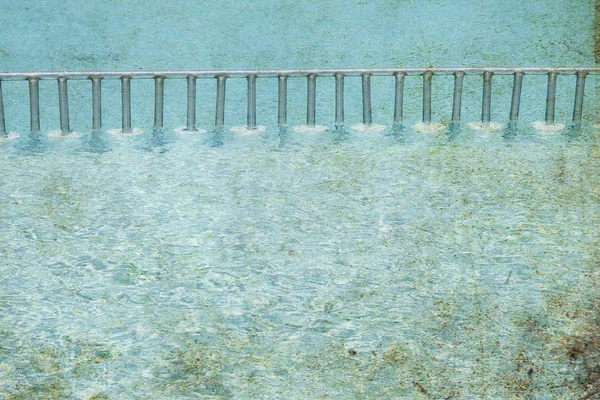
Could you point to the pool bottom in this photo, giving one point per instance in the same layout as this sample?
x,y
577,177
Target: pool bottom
x,y
299,266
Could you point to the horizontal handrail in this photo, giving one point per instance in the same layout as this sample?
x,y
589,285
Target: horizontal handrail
x,y
270,73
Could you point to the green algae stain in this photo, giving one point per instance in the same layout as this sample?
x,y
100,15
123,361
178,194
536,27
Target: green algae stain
x,y
575,351
99,396
396,354
46,361
60,201
398,371
87,357
45,373
49,389
196,369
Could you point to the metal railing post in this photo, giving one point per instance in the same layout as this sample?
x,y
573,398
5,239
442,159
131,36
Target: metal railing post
x,y
96,102
339,99
34,104
515,101
457,97
191,103
578,104
3,132
251,101
427,77
220,109
486,104
366,98
282,100
551,97
63,105
311,98
398,98
126,104
159,96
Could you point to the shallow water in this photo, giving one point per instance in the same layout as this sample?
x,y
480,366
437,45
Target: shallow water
x,y
288,264
302,267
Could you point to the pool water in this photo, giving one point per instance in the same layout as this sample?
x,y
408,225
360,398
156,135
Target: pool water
x,y
394,265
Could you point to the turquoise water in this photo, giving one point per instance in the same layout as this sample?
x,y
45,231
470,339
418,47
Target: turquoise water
x,y
299,265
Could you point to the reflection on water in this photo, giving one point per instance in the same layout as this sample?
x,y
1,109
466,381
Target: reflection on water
x,y
340,134
217,139
33,143
159,141
96,142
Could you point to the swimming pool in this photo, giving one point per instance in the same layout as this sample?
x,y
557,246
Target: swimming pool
x,y
308,265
